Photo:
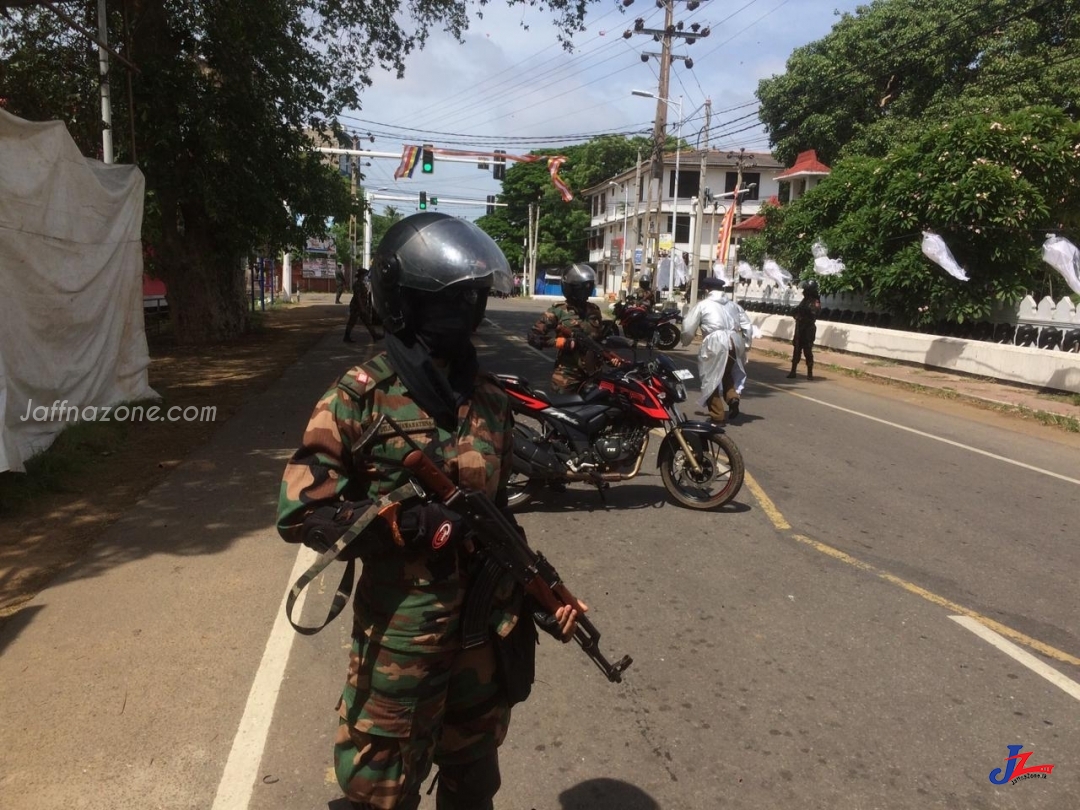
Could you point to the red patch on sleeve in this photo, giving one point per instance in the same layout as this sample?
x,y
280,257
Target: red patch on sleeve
x,y
362,377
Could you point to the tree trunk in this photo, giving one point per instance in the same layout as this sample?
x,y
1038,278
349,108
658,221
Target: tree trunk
x,y
207,297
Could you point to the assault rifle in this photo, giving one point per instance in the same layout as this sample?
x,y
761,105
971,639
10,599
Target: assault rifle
x,y
503,544
582,339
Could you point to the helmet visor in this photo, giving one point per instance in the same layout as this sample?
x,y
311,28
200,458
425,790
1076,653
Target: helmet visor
x,y
449,251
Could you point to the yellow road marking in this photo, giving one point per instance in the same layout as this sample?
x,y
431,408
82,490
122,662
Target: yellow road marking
x,y
778,520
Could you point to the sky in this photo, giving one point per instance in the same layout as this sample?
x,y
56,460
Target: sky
x,y
510,88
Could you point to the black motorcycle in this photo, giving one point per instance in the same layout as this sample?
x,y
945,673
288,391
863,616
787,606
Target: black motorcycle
x,y
637,322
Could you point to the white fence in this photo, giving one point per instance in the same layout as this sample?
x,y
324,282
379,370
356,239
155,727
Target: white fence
x,y
1046,324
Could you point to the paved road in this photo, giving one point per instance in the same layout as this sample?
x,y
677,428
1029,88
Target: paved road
x,y
797,649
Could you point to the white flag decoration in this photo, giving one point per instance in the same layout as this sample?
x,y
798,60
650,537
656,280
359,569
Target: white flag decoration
x,y
777,273
935,249
745,271
823,265
1063,256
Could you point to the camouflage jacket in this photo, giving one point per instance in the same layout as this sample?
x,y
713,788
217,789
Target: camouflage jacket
x,y
561,320
399,602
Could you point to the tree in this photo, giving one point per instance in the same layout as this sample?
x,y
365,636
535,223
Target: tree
x,y
895,67
990,186
220,105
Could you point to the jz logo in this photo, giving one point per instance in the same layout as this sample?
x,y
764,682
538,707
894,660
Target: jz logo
x,y
1017,768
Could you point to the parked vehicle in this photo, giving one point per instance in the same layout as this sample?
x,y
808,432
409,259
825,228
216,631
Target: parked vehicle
x,y
602,436
638,323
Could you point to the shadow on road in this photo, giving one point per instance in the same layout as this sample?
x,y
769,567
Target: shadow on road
x,y
606,794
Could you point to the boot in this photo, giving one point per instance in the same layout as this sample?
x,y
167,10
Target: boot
x,y
809,371
348,338
794,366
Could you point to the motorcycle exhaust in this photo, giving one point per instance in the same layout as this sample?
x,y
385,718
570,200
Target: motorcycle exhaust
x,y
533,459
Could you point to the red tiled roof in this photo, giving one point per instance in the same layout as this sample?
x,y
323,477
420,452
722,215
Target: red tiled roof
x,y
754,223
806,165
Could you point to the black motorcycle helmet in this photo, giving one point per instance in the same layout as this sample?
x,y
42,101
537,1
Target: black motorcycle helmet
x,y
578,283
431,255
645,282
810,289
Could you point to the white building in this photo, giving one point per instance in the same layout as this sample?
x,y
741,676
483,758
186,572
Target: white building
x,y
618,207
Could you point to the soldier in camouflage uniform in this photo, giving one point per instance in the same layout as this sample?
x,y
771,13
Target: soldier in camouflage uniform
x,y
802,342
413,696
358,306
574,362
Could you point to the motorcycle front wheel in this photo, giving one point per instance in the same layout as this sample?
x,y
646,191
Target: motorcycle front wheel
x,y
720,475
667,336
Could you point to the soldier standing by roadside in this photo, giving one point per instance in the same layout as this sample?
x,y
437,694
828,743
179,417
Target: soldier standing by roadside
x,y
358,306
339,276
802,342
413,696
575,362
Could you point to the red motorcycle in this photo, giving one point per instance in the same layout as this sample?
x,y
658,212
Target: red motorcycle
x,y
601,435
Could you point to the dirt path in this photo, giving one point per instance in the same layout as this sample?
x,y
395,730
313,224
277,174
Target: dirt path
x,y
51,532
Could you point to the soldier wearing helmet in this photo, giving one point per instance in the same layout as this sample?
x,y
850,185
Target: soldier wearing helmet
x,y
360,306
644,294
802,341
413,696
575,362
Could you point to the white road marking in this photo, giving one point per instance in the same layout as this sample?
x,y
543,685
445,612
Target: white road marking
x,y
1070,687
241,769
925,435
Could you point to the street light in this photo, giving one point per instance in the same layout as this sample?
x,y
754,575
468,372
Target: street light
x,y
675,197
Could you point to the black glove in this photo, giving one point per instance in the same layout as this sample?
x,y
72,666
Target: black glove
x,y
325,526
430,528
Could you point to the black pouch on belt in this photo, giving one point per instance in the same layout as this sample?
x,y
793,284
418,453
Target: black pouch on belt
x,y
515,656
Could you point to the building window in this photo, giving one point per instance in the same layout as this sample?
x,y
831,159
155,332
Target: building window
x,y
682,229
747,178
689,183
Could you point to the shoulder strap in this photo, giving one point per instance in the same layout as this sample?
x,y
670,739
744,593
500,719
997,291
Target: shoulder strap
x,y
361,379
344,590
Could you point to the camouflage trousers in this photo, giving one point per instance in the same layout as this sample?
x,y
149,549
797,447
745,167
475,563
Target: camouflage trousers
x,y
401,712
567,380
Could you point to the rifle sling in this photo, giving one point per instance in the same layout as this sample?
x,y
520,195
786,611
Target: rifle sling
x,y
345,586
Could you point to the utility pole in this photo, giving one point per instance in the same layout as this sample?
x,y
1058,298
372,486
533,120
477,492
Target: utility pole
x,y
354,170
741,161
664,36
699,210
106,98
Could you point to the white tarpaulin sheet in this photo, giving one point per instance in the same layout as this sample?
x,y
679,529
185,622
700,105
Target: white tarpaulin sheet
x,y
71,318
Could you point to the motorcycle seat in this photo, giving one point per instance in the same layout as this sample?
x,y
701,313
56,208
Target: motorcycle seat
x,y
560,400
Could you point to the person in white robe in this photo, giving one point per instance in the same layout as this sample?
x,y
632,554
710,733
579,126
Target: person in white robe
x,y
741,342
719,327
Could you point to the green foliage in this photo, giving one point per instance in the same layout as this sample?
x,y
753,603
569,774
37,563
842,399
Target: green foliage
x,y
223,105
894,67
990,187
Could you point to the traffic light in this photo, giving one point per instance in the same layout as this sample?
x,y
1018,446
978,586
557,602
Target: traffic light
x,y
427,160
435,201
423,201
498,171
490,204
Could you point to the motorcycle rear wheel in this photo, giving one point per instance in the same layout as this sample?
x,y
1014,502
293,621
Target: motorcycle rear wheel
x,y
722,466
521,488
667,336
